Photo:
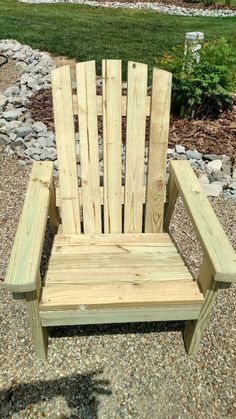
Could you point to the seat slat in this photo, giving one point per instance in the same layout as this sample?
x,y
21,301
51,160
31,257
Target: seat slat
x,y
88,128
65,139
111,72
158,142
135,138
89,296
115,257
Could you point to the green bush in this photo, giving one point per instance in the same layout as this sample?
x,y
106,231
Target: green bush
x,y
206,2
201,89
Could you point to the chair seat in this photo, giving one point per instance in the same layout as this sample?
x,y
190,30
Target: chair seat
x,y
118,271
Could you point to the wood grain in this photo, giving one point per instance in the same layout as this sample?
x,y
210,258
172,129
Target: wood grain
x,y
209,231
88,127
28,244
65,141
158,142
111,76
100,105
88,296
135,137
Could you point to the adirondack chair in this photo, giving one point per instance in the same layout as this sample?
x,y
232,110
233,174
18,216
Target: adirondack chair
x,y
113,259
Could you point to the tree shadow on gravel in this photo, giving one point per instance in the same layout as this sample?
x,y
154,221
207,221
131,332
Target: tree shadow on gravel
x,y
80,392
116,329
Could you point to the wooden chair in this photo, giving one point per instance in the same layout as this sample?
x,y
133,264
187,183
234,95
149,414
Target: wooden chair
x,y
113,259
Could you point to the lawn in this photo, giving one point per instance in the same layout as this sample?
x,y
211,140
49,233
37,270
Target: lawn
x,y
88,33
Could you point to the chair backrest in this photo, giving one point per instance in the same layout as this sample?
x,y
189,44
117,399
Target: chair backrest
x,y
111,208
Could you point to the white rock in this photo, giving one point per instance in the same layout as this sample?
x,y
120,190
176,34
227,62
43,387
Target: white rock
x,y
213,166
3,100
12,90
39,126
232,185
212,189
203,179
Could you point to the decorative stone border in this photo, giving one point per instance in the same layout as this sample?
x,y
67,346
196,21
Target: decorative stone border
x,y
158,7
30,140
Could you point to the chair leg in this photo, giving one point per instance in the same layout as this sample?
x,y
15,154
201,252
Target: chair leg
x,y
39,333
194,329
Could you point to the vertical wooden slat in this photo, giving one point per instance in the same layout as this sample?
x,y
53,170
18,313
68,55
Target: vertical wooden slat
x,y
88,127
111,71
158,142
65,139
135,138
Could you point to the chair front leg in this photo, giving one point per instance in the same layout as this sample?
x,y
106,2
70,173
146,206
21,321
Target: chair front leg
x,y
194,329
39,333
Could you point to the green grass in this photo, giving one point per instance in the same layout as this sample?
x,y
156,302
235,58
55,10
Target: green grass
x,y
88,33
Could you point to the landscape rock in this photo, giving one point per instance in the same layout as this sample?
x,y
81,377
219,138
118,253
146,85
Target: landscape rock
x,y
39,126
12,91
204,179
4,140
226,168
23,131
193,154
214,166
171,9
3,100
232,185
180,149
212,157
11,115
213,189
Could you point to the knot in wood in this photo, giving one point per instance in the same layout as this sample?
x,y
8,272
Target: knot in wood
x,y
159,185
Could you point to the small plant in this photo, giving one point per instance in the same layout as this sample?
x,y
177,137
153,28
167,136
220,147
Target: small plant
x,y
201,87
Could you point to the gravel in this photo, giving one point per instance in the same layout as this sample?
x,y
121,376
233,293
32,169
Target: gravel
x,y
8,75
114,371
170,9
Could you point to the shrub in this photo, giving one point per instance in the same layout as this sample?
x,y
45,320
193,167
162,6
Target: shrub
x,y
206,2
201,89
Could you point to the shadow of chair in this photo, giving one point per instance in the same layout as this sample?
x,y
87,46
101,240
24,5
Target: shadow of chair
x,y
80,392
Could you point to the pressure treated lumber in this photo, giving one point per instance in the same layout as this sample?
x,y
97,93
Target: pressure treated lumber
x,y
135,137
158,141
111,76
88,127
89,296
65,140
58,196
120,315
100,105
39,333
209,231
194,329
27,248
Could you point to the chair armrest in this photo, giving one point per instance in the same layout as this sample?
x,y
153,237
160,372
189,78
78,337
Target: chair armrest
x,y
23,268
209,231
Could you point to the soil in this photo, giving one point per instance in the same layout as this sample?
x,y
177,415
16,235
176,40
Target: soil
x,y
216,136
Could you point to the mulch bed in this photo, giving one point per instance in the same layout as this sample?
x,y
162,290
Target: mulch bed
x,y
207,136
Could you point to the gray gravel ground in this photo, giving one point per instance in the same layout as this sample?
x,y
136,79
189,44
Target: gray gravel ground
x,y
121,371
